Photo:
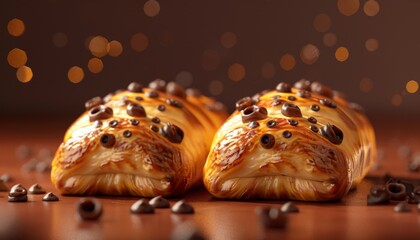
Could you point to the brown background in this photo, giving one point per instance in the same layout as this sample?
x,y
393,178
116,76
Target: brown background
x,y
184,30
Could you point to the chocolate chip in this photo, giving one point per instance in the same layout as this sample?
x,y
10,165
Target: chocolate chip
x,y
303,84
414,196
136,110
159,202
134,122
181,207
313,128
243,103
289,207
317,87
100,112
174,103
161,108
138,98
396,191
292,122
107,140
271,217
89,209
18,194
50,197
175,89
135,87
113,123
256,98
277,102
312,120
127,133
267,141
271,123
284,87
291,98
154,128
43,166
156,120
158,85
23,152
142,206
291,110
253,124
378,195
253,113
402,207
287,134
3,187
303,94
36,189
315,108
173,133
6,178
328,103
332,133
22,198
152,94
187,231
93,102
193,92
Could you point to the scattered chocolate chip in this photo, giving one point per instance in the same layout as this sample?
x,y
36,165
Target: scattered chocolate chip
x,y
159,202
127,133
161,108
271,217
267,141
6,178
356,107
193,92
152,94
173,133
402,207
243,103
174,103
291,110
135,87
23,152
158,85
303,84
378,195
253,124
154,128
93,102
142,206
100,112
312,120
414,196
313,128
253,113
317,87
113,123
256,98
136,110
30,165
134,122
181,207
315,108
292,122
328,103
156,120
287,134
43,166
175,89
50,197
36,189
277,102
97,123
284,87
271,123
291,98
89,209
107,140
289,207
18,194
138,98
3,187
396,191
303,94
332,133
187,231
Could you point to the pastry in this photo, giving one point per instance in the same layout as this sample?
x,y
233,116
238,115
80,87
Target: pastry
x,y
143,141
304,142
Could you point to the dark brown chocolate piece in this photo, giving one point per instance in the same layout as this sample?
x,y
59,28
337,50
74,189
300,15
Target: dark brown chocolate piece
x,y
378,195
135,87
173,133
142,206
113,123
193,92
100,112
315,108
287,134
312,120
154,128
181,207
134,122
284,87
271,217
187,231
267,141
292,122
243,103
414,196
175,89
6,178
291,98
152,94
317,87
36,189
156,120
3,187
50,197
107,140
396,191
18,194
93,102
291,110
174,103
127,133
161,108
289,207
159,202
303,94
158,84
332,133
313,128
138,98
303,84
328,103
253,124
271,123
253,113
277,102
89,209
402,207
136,110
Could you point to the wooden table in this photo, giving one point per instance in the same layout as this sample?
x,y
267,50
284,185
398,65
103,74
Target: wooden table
x,y
350,218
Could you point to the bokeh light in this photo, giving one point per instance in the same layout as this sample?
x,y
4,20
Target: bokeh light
x,y
348,7
228,39
309,54
371,8
151,8
268,70
16,27
236,72
184,78
95,65
60,39
75,74
396,100
210,60
24,74
98,46
329,39
342,54
287,62
115,48
139,42
216,87
366,85
372,44
17,58
322,22
412,86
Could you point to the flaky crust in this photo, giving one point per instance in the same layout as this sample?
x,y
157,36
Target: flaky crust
x,y
302,153
141,141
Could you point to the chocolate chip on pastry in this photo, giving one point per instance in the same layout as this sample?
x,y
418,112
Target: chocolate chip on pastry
x,y
156,144
318,148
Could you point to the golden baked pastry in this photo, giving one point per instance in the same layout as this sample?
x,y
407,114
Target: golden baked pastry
x,y
304,142
140,141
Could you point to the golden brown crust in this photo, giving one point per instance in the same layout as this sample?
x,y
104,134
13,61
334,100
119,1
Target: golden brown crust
x,y
291,143
143,141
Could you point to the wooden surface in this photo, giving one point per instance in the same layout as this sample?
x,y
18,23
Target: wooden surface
x,y
350,218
